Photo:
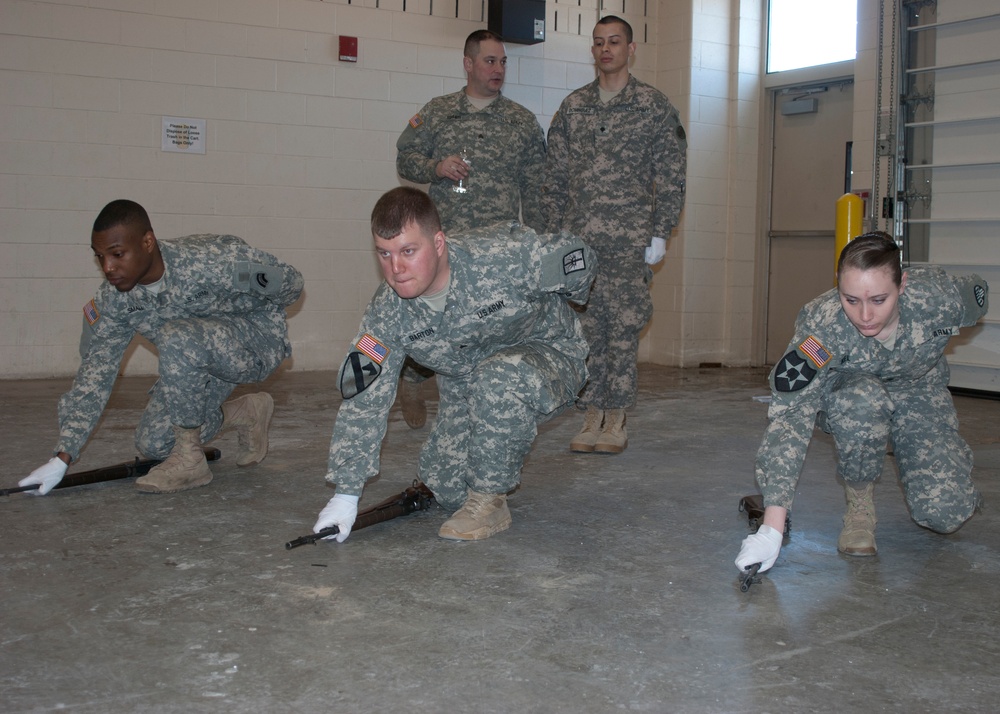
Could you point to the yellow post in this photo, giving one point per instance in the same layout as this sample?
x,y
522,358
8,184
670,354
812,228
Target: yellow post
x,y
850,223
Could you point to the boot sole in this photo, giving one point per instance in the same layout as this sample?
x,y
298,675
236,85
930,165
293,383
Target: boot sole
x,y
581,448
862,553
152,488
479,534
609,448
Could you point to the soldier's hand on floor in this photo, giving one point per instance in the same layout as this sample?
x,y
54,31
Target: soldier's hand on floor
x,y
761,547
341,512
47,476
656,250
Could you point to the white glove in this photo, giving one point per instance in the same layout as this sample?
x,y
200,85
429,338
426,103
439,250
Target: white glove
x,y
761,547
47,476
341,512
656,250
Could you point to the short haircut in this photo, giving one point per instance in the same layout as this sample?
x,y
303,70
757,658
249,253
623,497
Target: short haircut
x,y
122,213
612,19
473,41
871,251
400,207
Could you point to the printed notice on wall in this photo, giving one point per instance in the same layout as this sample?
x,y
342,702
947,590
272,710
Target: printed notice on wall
x,y
184,135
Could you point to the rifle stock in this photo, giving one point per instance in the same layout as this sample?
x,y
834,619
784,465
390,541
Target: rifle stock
x,y
108,473
415,498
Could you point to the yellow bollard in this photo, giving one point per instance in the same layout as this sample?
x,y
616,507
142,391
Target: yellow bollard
x,y
850,224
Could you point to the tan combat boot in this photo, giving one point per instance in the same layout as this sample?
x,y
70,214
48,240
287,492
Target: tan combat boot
x,y
483,515
251,416
584,441
613,438
185,468
414,406
858,536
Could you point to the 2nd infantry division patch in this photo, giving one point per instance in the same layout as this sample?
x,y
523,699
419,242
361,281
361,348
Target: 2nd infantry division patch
x,y
792,373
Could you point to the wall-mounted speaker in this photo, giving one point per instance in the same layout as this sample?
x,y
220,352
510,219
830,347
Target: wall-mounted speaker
x,y
519,21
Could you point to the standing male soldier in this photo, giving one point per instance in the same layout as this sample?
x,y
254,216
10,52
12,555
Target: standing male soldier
x,y
614,176
215,309
501,173
488,312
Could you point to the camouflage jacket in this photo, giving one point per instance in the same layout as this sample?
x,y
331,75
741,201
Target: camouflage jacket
x,y
509,286
204,276
506,154
615,172
932,308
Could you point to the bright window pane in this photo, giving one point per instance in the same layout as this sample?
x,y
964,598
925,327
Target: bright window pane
x,y
806,33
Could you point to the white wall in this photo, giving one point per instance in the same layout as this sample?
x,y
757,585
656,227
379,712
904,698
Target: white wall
x,y
300,145
709,65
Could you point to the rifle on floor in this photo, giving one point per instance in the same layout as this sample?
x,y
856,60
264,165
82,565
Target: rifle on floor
x,y
108,473
415,498
753,506
749,577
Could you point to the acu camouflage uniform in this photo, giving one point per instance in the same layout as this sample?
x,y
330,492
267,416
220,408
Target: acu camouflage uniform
x,y
615,176
506,149
218,321
865,394
508,351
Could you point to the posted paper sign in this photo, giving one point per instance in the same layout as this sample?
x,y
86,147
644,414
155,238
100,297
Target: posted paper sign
x,y
184,135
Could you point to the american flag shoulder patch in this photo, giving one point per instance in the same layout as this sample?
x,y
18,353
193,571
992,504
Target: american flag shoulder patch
x,y
373,348
91,313
815,351
416,121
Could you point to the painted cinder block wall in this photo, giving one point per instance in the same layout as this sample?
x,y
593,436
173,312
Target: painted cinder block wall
x,y
300,145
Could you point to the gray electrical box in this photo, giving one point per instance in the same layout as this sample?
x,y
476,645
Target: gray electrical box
x,y
519,21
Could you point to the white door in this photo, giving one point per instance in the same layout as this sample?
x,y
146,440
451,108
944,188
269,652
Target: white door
x,y
812,128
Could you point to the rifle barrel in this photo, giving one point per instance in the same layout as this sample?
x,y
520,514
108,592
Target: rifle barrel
x,y
749,577
107,473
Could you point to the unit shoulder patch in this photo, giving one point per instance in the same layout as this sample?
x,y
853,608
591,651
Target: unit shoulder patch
x,y
357,374
792,373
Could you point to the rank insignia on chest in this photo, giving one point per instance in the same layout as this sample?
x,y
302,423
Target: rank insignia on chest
x,y
815,351
373,348
91,313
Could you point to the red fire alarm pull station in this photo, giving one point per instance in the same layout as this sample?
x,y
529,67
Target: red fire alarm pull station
x,y
348,49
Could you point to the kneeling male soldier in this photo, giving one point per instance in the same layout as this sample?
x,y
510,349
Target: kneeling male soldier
x,y
215,309
867,364
488,312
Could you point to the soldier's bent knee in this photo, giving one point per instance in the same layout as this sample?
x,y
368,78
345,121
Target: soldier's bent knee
x,y
944,522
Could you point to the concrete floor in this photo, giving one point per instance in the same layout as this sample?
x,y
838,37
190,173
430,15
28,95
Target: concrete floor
x,y
614,590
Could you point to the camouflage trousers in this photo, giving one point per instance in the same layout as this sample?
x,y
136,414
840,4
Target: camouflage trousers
x,y
487,422
201,361
618,309
934,462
